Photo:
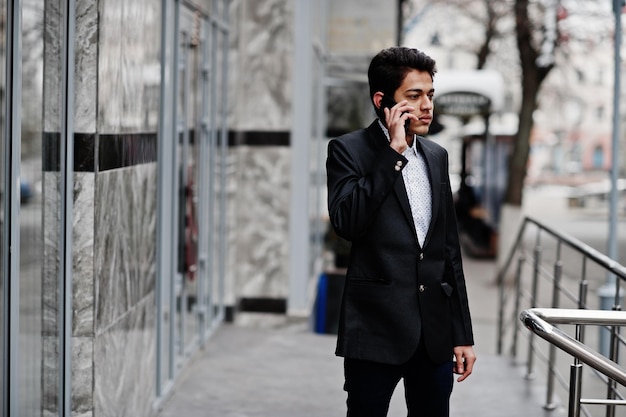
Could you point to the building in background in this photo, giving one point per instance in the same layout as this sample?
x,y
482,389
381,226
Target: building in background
x,y
298,74
571,140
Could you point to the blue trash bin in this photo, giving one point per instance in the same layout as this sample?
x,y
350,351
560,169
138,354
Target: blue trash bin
x,y
328,302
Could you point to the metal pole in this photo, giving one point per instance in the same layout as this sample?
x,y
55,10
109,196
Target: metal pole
x,y
11,206
67,196
533,302
301,130
609,294
575,383
612,249
223,202
518,295
558,273
400,23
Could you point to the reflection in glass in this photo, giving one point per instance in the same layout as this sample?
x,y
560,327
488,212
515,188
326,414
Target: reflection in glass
x,y
31,212
221,144
188,113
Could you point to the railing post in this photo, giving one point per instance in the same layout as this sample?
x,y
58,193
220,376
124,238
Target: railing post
x,y
518,296
575,380
533,302
614,356
583,290
500,312
575,384
500,282
558,272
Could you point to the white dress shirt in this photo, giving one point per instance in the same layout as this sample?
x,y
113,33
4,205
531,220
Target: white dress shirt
x,y
417,184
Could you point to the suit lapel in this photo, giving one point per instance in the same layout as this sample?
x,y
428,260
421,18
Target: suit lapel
x,y
403,199
432,161
380,140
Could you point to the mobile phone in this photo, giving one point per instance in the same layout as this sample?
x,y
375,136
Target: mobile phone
x,y
389,102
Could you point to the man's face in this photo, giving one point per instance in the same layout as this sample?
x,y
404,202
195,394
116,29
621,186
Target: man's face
x,y
417,89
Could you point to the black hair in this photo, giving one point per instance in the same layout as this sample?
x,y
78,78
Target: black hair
x,y
389,67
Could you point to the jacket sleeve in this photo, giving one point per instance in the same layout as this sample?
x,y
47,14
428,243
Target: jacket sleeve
x,y
359,180
461,319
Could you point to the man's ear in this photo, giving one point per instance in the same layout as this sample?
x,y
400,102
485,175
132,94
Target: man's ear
x,y
377,98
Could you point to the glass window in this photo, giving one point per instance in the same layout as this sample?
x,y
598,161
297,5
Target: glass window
x,y
30,369
187,114
3,62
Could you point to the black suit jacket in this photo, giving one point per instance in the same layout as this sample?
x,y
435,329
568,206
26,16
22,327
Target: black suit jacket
x,y
396,291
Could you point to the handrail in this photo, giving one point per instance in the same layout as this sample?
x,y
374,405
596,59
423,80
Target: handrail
x,y
593,254
539,287
538,321
587,251
578,316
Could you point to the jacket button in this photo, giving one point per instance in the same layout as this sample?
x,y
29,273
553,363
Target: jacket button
x,y
422,288
421,256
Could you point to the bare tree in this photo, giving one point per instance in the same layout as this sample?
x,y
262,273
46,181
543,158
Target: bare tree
x,y
544,33
486,14
536,61
536,33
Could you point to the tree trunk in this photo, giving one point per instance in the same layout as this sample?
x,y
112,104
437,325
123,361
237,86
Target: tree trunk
x,y
490,33
532,77
518,160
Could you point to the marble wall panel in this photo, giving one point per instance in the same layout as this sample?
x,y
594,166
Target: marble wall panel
x,y
51,236
50,301
232,205
50,375
82,371
260,69
82,376
85,66
86,53
262,221
129,65
125,357
52,27
83,255
125,236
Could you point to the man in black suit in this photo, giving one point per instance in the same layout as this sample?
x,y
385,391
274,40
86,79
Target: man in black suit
x,y
404,312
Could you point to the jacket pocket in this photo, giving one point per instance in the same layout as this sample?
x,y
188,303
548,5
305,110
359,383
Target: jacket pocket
x,y
447,288
367,281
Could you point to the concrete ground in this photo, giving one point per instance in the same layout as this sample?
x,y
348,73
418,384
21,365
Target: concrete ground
x,y
283,369
273,367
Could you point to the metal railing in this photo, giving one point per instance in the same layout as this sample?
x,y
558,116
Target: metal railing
x,y
540,321
557,271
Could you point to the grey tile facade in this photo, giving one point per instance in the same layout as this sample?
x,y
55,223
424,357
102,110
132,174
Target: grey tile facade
x,y
261,91
114,209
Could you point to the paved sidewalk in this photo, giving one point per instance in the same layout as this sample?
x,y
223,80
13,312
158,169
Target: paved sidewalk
x,y
286,370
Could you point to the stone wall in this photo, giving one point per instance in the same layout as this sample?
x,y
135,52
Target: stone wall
x,y
114,209
260,121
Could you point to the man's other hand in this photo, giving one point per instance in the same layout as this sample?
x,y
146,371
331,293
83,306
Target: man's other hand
x,y
465,358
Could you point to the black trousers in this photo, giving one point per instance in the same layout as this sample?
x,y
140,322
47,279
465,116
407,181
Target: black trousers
x,y
370,386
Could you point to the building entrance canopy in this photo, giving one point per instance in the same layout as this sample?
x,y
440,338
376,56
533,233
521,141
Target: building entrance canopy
x,y
468,93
